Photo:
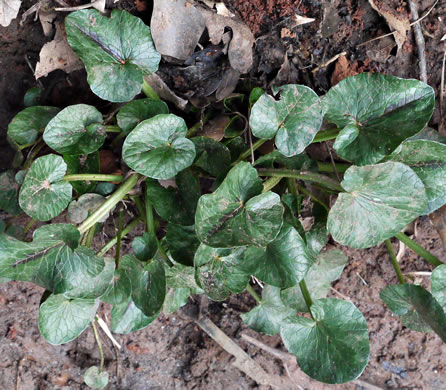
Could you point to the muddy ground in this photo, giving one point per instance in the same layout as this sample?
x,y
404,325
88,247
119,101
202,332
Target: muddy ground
x,y
173,353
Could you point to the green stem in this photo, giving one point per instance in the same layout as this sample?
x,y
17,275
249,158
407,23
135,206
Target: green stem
x,y
314,197
90,236
395,264
92,177
197,127
119,238
418,249
98,341
112,129
149,91
271,183
326,135
247,152
325,181
139,205
29,225
125,231
111,202
150,225
306,295
256,296
328,167
33,154
21,147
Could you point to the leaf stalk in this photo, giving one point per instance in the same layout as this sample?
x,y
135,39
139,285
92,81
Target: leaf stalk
x,y
253,293
92,177
395,264
419,250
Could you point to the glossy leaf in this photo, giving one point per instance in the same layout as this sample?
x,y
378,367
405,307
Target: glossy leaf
x,y
268,315
44,195
294,119
96,379
376,112
158,147
416,307
332,348
212,156
133,113
116,51
145,246
218,271
27,124
9,191
61,320
182,242
380,200
438,285
75,130
127,318
120,289
85,205
237,213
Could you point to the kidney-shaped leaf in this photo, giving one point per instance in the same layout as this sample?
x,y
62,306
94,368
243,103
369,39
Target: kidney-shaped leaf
x,y
158,147
294,119
237,214
27,124
75,130
380,200
96,379
376,112
9,191
332,348
116,51
44,194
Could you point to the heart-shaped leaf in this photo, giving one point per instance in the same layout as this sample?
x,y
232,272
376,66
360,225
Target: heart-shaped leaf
x,y
83,164
428,160
61,320
9,192
212,156
237,213
326,269
96,379
182,242
269,314
334,346
416,307
283,263
27,124
127,318
158,147
380,200
438,285
133,113
145,246
75,130
294,119
85,205
116,51
44,194
218,271
376,112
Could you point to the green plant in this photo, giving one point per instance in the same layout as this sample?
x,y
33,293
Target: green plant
x,y
211,239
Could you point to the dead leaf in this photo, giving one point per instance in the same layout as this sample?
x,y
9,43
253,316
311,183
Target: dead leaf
x,y
240,48
164,92
398,22
287,33
57,54
176,29
8,11
299,20
215,127
223,11
46,16
228,84
343,69
438,219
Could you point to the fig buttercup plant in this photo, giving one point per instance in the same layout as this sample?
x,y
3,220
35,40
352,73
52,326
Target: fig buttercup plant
x,y
213,243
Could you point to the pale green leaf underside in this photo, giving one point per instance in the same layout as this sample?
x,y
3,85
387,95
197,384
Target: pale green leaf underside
x,y
96,379
127,318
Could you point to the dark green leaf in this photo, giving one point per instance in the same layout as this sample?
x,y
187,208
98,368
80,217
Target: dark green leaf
x,y
75,130
212,156
438,285
44,194
301,161
96,379
292,211
175,298
237,213
32,97
182,242
236,146
16,231
380,200
135,112
105,188
116,51
377,113
332,348
20,176
85,205
235,127
2,226
145,246
127,318
9,191
268,315
119,290
83,164
27,124
61,320
158,147
255,95
294,119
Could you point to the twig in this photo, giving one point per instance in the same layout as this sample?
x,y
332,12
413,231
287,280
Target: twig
x,y
340,294
333,162
362,279
325,64
401,252
419,39
419,273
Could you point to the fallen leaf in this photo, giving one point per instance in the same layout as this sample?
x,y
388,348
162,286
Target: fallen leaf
x,y
343,69
299,20
57,54
287,33
223,11
164,92
8,11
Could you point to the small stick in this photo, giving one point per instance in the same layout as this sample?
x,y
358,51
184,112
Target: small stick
x,y
340,294
325,64
419,273
419,39
362,279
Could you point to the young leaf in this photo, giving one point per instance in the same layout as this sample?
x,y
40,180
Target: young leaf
x,y
27,124
158,147
9,191
416,307
438,285
61,319
294,119
237,213
212,156
44,195
428,160
136,111
376,112
119,290
269,314
96,379
127,318
218,271
145,246
332,348
326,269
83,164
75,130
85,205
283,263
380,200
32,97
175,298
116,51
182,242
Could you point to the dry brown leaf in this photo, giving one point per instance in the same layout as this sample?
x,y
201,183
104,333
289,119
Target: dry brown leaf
x,y
8,11
342,70
223,11
215,127
164,92
299,20
57,54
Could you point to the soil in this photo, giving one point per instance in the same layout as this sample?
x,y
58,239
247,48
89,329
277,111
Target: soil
x,y
173,353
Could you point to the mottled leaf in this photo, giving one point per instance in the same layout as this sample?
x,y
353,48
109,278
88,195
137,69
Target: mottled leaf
x,y
181,276
175,298
120,289
85,205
